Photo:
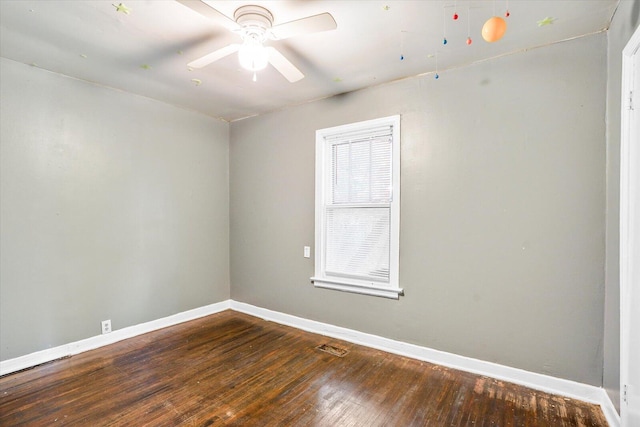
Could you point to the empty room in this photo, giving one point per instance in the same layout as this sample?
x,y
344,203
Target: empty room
x,y
320,213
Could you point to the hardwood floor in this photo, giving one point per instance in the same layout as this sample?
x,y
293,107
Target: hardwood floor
x,y
234,369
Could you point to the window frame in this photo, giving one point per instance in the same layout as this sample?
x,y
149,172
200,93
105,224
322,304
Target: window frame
x,y
326,138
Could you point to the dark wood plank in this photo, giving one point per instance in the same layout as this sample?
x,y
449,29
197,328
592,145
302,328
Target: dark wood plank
x,y
234,369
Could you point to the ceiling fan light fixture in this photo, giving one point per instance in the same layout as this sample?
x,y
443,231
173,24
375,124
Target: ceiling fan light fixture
x,y
252,55
255,21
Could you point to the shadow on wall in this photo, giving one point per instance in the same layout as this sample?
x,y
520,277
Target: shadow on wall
x,y
635,14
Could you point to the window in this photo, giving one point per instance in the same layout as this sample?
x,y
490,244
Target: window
x,y
358,207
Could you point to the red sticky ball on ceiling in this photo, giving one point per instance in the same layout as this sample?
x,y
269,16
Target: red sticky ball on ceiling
x,y
455,16
494,29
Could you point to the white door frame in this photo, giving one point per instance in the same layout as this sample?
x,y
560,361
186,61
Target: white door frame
x,y
629,230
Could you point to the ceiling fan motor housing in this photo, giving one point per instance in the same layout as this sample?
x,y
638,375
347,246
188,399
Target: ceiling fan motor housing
x,y
254,20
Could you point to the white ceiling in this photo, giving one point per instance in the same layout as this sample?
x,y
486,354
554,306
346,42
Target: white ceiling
x,y
146,51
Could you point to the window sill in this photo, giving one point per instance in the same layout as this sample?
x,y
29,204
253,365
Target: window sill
x,y
357,287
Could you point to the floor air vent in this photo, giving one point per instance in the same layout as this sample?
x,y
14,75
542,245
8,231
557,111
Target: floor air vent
x,y
336,351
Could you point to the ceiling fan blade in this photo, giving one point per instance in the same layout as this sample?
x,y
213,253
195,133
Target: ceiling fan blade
x,y
209,12
214,56
282,64
308,25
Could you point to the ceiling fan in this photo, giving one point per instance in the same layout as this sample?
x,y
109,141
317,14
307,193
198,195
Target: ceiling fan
x,y
254,24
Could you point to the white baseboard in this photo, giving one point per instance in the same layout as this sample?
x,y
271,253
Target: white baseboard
x,y
43,356
533,380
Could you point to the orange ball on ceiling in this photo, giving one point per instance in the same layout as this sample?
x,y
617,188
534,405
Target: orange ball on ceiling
x,y
494,29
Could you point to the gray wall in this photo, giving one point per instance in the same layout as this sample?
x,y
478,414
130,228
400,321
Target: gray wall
x,y
625,21
503,210
113,206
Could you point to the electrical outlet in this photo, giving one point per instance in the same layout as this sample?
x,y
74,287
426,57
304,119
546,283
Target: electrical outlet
x,y
106,326
307,252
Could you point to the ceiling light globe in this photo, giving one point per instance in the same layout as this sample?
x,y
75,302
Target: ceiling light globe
x,y
253,56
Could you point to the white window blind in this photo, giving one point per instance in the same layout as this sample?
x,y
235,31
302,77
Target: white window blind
x,y
358,210
356,217
361,170
358,243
